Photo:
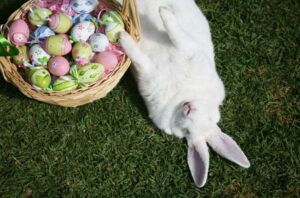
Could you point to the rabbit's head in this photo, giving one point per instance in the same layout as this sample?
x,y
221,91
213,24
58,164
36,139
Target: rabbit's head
x,y
194,119
197,122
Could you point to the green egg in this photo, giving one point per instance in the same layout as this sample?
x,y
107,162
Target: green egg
x,y
22,57
40,77
61,84
82,53
113,32
38,16
90,73
112,17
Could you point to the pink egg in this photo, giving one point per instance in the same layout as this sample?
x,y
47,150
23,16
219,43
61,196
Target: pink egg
x,y
58,66
108,59
18,32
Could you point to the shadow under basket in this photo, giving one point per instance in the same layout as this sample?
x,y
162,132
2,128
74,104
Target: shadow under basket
x,y
79,96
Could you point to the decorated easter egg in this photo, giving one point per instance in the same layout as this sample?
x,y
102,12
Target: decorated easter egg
x,y
99,42
57,45
38,16
60,23
82,31
113,32
78,18
82,53
38,55
90,73
18,32
84,6
112,17
43,32
58,66
40,77
22,57
108,59
65,83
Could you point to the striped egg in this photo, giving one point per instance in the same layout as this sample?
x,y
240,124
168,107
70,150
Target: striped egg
x,y
57,45
60,23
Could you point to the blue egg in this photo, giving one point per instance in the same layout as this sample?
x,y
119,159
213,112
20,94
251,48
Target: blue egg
x,y
78,18
84,6
43,32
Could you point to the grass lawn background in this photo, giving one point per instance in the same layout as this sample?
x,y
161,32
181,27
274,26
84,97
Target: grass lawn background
x,y
111,149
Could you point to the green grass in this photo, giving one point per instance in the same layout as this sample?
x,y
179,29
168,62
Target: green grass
x,y
111,149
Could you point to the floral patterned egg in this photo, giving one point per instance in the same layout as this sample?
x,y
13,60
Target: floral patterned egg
x,y
60,23
38,56
40,77
78,18
65,83
23,56
82,31
18,32
57,45
99,42
90,73
82,53
38,16
84,6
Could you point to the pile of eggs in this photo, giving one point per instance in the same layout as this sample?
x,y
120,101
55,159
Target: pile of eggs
x,y
61,52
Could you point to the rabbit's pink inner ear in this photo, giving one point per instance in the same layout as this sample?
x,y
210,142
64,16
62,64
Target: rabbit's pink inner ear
x,y
225,146
198,161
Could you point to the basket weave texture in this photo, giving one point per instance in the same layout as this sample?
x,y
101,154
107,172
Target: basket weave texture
x,y
80,96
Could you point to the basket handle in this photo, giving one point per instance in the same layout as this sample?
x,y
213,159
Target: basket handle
x,y
131,15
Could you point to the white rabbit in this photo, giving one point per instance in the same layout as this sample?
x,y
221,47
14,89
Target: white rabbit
x,y
176,74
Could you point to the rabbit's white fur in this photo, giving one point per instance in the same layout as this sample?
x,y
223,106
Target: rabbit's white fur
x,y
176,74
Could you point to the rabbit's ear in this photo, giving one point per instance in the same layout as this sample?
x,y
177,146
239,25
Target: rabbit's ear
x,y
225,146
198,161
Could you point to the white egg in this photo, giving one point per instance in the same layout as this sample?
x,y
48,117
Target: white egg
x,y
99,42
38,55
82,31
84,6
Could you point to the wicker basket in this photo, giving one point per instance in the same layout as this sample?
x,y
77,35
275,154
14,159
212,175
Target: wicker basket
x,y
80,96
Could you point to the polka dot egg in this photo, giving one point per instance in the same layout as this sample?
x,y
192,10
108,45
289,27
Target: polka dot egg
x,y
99,42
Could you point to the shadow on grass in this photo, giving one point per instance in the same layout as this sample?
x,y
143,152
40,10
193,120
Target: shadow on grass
x,y
129,84
7,89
